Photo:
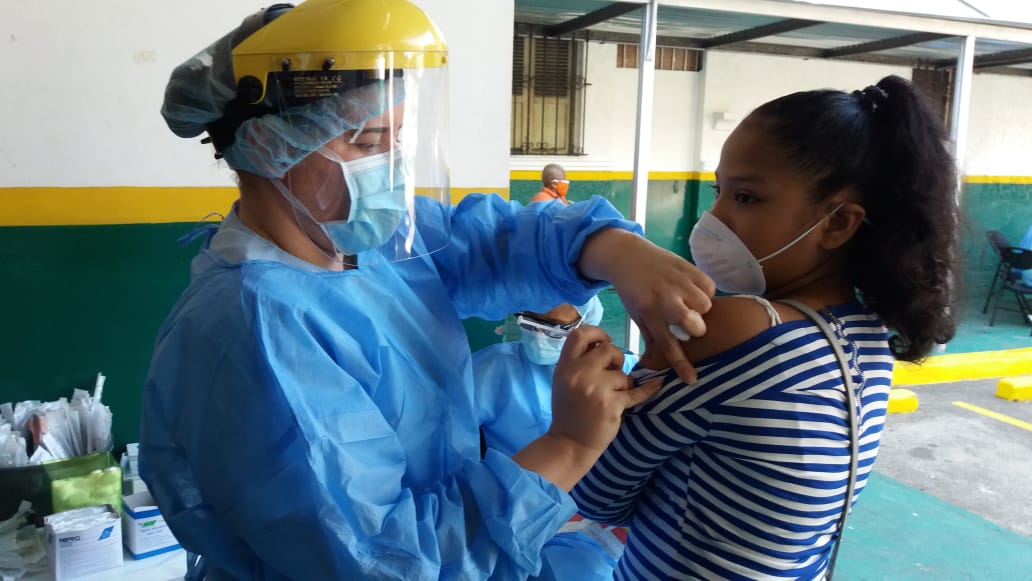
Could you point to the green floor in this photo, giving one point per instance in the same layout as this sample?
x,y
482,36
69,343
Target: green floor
x,y
1009,331
897,532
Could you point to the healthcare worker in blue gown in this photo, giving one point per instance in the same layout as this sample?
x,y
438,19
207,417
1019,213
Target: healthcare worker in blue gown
x,y
309,408
513,396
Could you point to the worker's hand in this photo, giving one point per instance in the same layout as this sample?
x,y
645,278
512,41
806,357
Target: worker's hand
x,y
657,287
590,392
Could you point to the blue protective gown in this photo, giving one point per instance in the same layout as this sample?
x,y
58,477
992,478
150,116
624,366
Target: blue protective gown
x,y
514,405
300,423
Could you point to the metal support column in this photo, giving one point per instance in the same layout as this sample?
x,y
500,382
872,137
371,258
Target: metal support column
x,y
961,104
643,134
959,122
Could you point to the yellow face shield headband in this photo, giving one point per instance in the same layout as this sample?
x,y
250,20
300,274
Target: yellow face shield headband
x,y
337,35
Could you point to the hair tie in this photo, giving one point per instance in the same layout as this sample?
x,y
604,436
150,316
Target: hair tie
x,y
871,97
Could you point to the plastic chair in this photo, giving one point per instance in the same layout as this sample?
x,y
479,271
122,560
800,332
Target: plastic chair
x,y
1013,260
998,242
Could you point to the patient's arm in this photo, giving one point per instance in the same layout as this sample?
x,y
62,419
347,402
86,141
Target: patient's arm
x,y
731,321
677,418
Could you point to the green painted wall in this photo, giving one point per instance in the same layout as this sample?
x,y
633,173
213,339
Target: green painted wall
x,y
672,209
673,205
1003,207
81,299
76,300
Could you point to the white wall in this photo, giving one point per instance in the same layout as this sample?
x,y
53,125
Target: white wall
x,y
84,81
684,136
737,83
1000,126
479,35
610,113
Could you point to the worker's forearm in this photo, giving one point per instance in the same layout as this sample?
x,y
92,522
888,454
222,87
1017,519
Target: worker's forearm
x,y
602,250
559,460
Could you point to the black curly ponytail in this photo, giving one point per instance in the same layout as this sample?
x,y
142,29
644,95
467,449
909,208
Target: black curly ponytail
x,y
887,145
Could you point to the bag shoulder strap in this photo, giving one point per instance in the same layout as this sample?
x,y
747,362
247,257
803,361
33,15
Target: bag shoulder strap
x,y
851,406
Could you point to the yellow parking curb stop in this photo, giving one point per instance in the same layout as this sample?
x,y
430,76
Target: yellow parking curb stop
x,y
1015,388
902,401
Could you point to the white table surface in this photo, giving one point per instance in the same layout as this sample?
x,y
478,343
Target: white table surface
x,y
169,566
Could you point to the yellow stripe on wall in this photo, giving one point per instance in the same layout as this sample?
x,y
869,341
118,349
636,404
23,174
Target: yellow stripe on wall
x,y
90,206
73,206
111,205
998,179
458,193
603,176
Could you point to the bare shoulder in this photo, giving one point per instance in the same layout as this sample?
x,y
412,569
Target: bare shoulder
x,y
730,322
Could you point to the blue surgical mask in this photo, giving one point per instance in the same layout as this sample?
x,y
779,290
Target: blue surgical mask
x,y
540,348
378,205
591,311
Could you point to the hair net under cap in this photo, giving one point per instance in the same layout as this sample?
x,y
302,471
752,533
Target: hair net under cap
x,y
200,88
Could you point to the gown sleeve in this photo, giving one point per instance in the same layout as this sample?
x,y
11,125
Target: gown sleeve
x,y
502,257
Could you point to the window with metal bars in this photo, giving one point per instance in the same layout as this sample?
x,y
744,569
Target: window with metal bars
x,y
547,96
667,58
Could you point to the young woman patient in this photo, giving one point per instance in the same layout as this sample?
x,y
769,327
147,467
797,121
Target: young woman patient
x,y
845,203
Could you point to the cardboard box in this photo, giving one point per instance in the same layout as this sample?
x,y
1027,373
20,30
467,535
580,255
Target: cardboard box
x,y
146,533
74,552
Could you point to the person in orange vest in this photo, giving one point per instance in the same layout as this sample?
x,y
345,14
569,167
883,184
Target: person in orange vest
x,y
553,184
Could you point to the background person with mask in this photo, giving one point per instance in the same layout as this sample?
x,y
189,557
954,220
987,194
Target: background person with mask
x,y
513,381
308,411
554,184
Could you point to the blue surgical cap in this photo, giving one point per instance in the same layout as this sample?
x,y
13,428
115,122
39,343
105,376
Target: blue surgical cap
x,y
200,89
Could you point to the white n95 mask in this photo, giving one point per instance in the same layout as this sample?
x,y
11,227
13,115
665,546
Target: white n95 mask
x,y
722,256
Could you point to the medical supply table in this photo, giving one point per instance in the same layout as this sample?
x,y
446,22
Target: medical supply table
x,y
169,566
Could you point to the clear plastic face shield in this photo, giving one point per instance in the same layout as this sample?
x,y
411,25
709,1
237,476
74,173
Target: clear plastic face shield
x,y
353,136
357,192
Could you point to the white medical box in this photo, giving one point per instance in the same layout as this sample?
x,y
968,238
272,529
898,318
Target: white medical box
x,y
96,547
146,533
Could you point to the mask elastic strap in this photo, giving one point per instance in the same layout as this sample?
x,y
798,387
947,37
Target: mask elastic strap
x,y
329,154
358,132
299,211
801,236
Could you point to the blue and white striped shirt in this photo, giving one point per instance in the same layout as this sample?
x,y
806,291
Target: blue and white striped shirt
x,y
743,474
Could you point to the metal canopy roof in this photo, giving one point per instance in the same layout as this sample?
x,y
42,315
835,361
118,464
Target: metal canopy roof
x,y
792,29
